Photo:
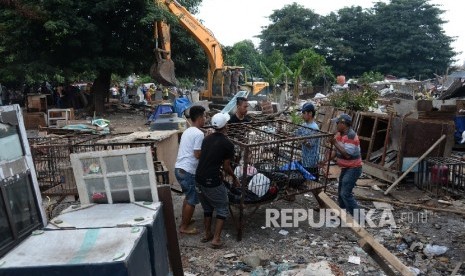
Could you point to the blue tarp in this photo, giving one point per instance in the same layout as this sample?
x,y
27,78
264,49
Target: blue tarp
x,y
160,109
180,105
296,166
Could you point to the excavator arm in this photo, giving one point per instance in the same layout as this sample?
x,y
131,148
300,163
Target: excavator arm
x,y
163,70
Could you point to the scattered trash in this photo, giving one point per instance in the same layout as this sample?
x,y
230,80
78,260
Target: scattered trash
x,y
376,188
414,270
444,202
283,232
383,205
434,250
230,255
401,247
354,260
101,123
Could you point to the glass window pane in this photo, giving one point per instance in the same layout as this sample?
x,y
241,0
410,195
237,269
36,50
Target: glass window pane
x,y
137,162
5,232
22,204
10,143
96,190
141,185
114,164
91,166
119,189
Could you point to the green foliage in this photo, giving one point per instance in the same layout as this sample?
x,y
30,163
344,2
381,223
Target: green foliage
x,y
354,100
296,117
292,28
369,77
401,37
244,54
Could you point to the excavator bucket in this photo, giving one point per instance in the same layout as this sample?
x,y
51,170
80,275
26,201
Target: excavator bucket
x,y
163,72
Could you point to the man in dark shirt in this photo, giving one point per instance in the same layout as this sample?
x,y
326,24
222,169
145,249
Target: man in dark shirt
x,y
241,112
216,152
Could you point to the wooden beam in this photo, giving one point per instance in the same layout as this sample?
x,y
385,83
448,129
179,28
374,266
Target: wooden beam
x,y
361,232
419,206
456,269
174,254
379,260
415,163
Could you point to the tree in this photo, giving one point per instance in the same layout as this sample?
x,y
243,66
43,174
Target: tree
x,y
314,68
273,69
243,53
410,40
402,37
292,28
99,37
347,40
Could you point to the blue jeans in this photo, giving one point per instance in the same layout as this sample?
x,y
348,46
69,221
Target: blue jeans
x,y
187,182
347,181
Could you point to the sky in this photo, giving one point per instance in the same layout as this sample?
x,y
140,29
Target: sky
x,y
237,20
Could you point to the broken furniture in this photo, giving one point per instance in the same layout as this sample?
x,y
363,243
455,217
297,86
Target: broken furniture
x,y
115,176
266,163
386,142
52,161
166,143
147,215
56,114
36,103
103,251
20,201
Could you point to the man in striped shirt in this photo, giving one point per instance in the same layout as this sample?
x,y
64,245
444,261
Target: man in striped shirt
x,y
347,151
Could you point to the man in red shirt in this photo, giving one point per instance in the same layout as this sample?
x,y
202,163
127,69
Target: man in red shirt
x,y
347,151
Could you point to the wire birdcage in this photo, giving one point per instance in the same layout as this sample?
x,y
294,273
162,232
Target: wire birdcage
x,y
52,162
275,159
441,176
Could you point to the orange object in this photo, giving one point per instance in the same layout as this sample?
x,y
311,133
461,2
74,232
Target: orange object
x,y
341,79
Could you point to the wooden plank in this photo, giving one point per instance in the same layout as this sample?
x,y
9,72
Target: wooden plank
x,y
415,163
372,138
174,254
361,232
456,269
378,259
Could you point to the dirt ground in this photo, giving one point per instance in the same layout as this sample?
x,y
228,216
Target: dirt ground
x,y
288,251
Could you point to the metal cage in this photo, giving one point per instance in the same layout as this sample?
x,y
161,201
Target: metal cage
x,y
441,176
269,162
52,162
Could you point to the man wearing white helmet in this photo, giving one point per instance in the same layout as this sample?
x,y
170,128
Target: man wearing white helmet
x,y
215,156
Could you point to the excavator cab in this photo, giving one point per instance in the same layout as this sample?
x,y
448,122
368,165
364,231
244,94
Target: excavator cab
x,y
222,83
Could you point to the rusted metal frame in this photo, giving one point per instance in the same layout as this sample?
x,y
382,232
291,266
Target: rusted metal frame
x,y
386,140
244,187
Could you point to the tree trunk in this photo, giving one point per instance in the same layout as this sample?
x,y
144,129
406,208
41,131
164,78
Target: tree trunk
x,y
101,89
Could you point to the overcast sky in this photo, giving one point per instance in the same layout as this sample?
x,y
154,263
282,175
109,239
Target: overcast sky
x,y
234,21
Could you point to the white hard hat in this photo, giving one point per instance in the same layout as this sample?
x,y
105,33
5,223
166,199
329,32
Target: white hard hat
x,y
219,120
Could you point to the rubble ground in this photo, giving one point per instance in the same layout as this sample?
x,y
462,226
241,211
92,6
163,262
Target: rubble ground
x,y
268,250
271,251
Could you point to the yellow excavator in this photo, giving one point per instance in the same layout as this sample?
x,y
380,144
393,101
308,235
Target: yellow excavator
x,y
163,69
